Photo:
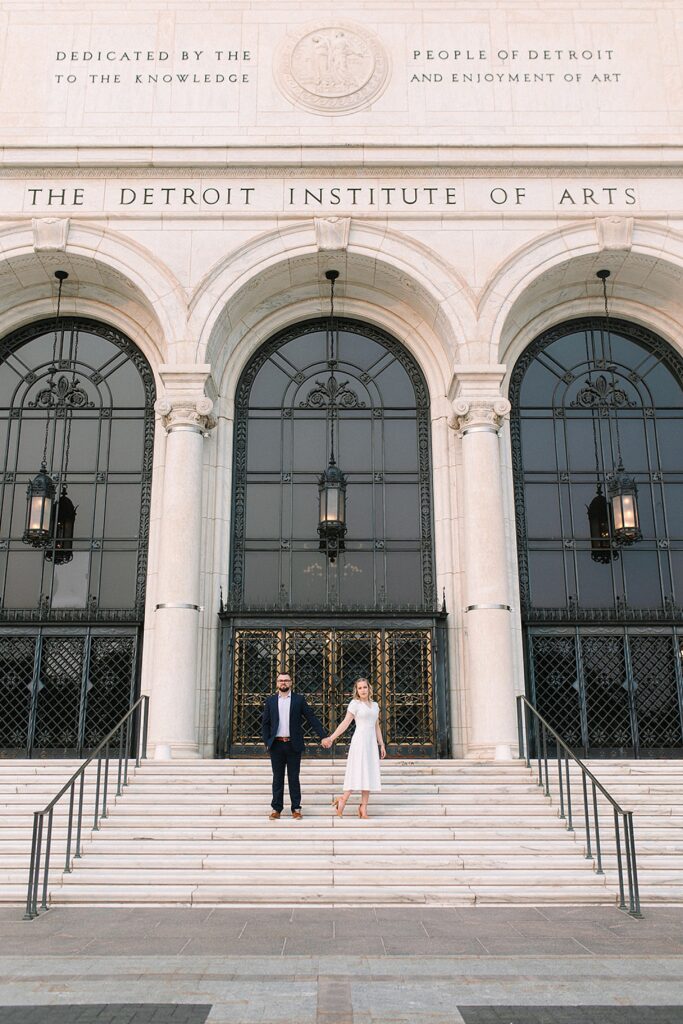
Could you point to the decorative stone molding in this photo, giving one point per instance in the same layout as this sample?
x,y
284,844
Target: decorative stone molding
x,y
486,413
185,404
614,233
186,411
332,233
332,68
50,234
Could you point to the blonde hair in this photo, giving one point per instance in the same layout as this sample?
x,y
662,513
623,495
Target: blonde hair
x,y
361,679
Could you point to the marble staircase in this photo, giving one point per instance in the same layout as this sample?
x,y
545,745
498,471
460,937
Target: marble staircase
x,y
442,832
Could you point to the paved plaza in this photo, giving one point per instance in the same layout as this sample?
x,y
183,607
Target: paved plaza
x,y
427,965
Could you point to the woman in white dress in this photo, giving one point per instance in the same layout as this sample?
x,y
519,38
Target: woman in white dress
x,y
365,751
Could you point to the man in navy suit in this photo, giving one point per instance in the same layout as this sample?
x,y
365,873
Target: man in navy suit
x,y
283,734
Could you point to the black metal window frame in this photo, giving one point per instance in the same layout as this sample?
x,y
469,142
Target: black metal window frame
x,y
624,395
82,380
309,400
604,657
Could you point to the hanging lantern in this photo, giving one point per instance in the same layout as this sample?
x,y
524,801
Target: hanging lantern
x,y
40,495
60,549
623,497
598,520
332,511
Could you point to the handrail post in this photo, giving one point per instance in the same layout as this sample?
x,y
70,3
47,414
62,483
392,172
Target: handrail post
x,y
544,734
69,828
118,777
28,914
79,824
570,824
106,782
620,866
46,869
633,891
36,880
125,764
145,706
520,730
589,852
561,783
596,821
95,823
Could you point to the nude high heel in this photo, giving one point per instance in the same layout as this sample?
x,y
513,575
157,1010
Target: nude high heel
x,y
340,803
362,812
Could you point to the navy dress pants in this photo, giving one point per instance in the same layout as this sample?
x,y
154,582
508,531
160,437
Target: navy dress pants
x,y
283,758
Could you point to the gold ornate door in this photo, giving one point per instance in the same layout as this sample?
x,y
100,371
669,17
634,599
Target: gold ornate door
x,y
324,663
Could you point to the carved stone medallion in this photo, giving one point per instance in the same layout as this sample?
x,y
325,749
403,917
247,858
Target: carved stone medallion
x,y
332,69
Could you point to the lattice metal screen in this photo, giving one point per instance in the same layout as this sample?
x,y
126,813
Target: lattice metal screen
x,y
324,664
62,694
618,691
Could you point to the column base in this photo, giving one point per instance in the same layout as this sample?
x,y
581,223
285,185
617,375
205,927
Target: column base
x,y
161,751
492,752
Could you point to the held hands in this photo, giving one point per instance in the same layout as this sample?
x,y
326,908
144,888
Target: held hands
x,y
326,743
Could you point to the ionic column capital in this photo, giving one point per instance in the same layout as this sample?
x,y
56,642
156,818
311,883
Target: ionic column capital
x,y
479,413
186,404
186,412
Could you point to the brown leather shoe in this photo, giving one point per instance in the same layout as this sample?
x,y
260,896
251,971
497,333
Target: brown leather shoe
x,y
297,814
273,815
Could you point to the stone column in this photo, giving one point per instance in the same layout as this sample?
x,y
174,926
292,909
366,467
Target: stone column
x,y
492,723
185,412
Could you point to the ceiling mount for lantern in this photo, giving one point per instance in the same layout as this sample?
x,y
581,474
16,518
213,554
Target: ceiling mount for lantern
x,y
332,482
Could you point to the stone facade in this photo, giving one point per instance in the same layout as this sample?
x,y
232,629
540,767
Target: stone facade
x,y
466,168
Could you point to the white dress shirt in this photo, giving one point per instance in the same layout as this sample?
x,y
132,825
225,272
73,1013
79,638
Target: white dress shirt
x,y
283,706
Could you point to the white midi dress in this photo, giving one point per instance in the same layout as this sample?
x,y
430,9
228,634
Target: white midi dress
x,y
362,764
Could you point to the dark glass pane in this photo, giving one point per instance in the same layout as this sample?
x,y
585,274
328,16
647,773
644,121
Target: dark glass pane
x,y
402,511
10,378
582,437
673,496
310,445
543,511
665,390
395,386
24,576
632,438
261,576
641,569
357,578
596,588
669,437
31,443
570,350
547,579
264,439
538,443
676,558
126,446
269,388
125,383
539,385
117,583
305,511
70,584
263,510
96,351
400,445
306,349
404,577
122,518
308,578
358,350
355,439
359,511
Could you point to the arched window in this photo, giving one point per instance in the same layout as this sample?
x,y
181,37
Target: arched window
x,y
281,448
80,399
584,401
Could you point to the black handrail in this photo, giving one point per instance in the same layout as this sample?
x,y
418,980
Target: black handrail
x,y
622,818
133,722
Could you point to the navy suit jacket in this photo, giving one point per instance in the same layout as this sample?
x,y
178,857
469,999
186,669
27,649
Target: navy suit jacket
x,y
298,710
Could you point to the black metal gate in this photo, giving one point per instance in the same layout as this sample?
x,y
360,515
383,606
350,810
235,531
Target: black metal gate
x,y
406,664
612,692
62,690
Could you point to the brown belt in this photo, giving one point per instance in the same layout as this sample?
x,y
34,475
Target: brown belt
x,y
282,739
